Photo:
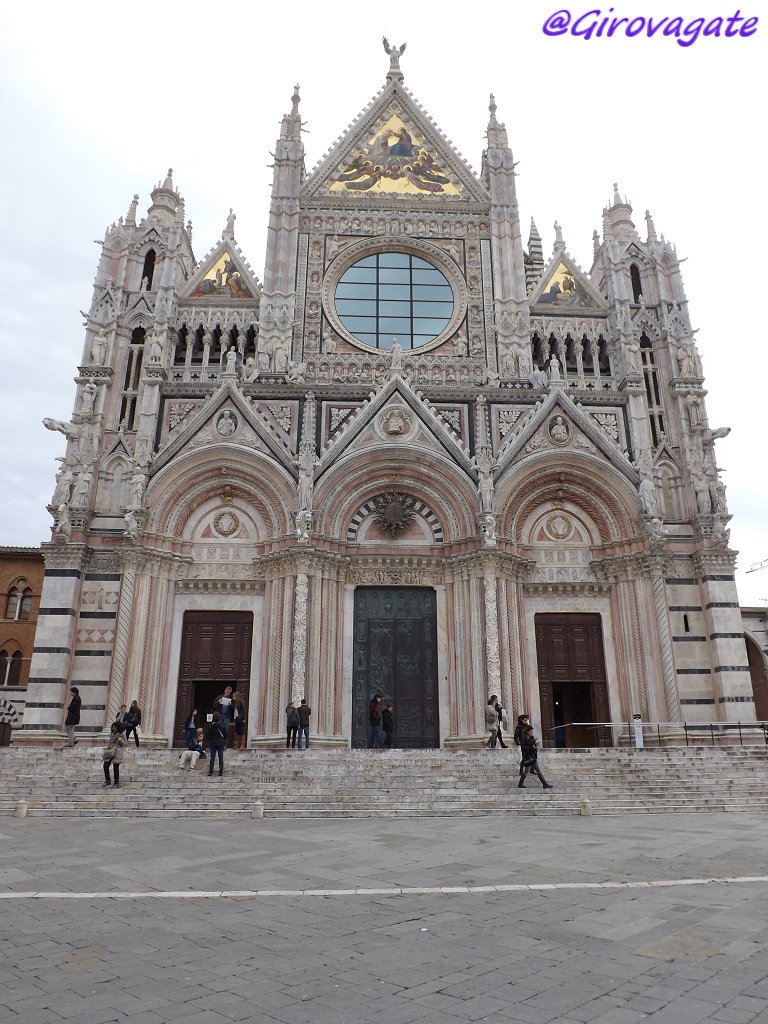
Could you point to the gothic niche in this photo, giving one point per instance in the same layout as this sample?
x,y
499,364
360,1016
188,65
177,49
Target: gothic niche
x,y
393,513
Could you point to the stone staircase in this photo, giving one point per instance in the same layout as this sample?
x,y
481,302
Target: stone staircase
x,y
399,783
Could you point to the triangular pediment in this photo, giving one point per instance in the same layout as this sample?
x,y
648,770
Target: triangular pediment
x,y
395,415
559,426
394,149
563,285
222,275
227,418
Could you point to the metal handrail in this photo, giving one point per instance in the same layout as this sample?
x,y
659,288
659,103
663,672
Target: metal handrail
x,y
688,727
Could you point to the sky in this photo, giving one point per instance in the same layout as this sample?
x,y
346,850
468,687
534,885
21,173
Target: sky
x,y
97,100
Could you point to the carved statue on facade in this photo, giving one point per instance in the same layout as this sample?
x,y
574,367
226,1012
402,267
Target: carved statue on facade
x,y
131,527
555,373
99,348
83,487
155,349
633,357
250,370
488,527
485,466
303,524
230,362
394,53
648,497
138,482
396,362
685,362
63,489
88,398
307,461
63,526
294,373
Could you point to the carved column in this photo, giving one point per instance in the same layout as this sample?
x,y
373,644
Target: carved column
x,y
299,662
123,628
668,674
492,660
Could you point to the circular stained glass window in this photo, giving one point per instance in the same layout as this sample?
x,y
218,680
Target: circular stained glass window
x,y
394,295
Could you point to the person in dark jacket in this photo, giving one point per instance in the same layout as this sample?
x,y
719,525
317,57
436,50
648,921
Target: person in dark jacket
x,y
217,741
195,750
133,721
517,736
500,716
292,722
191,725
388,724
305,713
374,721
530,764
73,716
239,716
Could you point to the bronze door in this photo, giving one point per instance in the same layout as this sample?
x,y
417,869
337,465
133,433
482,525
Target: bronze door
x,y
395,651
215,652
572,681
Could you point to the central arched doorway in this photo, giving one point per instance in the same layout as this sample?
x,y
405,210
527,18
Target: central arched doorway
x,y
395,652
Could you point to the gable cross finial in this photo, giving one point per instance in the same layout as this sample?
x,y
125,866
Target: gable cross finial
x,y
394,53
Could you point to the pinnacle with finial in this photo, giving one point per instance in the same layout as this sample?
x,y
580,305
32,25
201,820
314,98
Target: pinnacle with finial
x,y
394,53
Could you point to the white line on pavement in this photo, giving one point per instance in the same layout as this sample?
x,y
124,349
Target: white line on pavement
x,y
447,890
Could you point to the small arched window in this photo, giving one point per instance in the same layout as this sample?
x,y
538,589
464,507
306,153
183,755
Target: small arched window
x,y
19,604
14,669
149,270
637,284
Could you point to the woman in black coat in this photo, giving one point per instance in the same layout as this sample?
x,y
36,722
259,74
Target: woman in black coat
x,y
73,716
530,764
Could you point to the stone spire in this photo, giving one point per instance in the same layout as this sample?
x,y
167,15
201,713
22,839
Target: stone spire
x,y
620,217
165,200
130,217
595,244
535,256
651,227
290,128
496,133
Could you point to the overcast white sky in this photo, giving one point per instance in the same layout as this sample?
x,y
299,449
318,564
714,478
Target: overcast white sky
x,y
97,100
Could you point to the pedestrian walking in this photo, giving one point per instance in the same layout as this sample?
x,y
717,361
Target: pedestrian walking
x,y
374,721
292,722
305,713
530,763
133,721
501,714
217,741
388,725
517,736
491,721
73,716
239,718
112,754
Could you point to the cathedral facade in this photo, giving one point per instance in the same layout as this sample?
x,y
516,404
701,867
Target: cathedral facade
x,y
417,457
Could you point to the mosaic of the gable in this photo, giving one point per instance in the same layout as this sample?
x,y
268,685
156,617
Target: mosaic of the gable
x,y
395,159
564,289
223,280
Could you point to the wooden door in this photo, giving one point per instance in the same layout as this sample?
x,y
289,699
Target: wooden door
x,y
572,681
395,651
215,652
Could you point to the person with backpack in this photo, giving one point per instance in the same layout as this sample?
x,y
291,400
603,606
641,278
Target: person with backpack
x,y
217,741
292,722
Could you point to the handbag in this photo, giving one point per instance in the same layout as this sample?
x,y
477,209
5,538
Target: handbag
x,y
107,753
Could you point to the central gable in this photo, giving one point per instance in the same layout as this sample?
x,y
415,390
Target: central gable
x,y
394,149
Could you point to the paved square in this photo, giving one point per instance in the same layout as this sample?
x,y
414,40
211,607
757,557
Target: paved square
x,y
548,920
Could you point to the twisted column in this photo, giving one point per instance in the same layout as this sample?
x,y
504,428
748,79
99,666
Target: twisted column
x,y
668,675
122,644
